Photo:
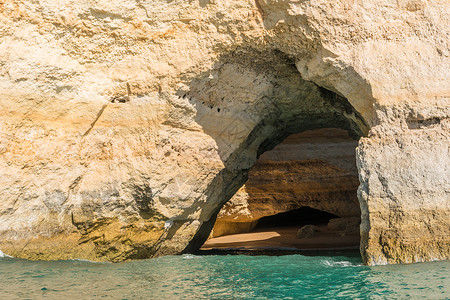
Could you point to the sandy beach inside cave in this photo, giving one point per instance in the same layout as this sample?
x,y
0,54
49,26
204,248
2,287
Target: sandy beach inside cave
x,y
284,238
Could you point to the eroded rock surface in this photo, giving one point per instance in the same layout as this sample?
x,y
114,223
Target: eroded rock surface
x,y
212,84
315,168
345,225
307,231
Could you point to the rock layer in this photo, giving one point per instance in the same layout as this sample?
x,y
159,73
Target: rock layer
x,y
211,86
314,168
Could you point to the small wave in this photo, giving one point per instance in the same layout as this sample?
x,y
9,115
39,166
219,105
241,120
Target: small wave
x,y
188,256
3,255
330,263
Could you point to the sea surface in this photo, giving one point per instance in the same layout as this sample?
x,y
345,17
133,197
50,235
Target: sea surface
x,y
224,277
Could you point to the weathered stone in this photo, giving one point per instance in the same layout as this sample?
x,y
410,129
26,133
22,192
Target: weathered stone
x,y
307,231
345,225
222,227
405,193
213,84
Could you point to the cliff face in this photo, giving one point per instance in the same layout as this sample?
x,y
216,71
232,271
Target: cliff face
x,y
125,126
315,168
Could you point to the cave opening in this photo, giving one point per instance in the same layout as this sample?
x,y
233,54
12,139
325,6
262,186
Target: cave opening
x,y
300,195
291,144
297,217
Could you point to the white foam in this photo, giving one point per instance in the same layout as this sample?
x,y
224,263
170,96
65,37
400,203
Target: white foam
x,y
188,256
329,263
3,255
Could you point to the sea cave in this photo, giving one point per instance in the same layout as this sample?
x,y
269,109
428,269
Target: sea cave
x,y
307,182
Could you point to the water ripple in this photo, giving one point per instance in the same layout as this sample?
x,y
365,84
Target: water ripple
x,y
224,277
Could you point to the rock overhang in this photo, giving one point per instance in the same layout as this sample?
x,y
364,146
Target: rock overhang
x,y
162,154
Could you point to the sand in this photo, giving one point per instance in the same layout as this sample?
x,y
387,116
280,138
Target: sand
x,y
283,237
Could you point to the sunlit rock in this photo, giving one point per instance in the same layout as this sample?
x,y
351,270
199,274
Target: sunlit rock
x,y
125,126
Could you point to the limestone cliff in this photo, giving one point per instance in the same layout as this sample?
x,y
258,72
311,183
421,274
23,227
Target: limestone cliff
x,y
126,125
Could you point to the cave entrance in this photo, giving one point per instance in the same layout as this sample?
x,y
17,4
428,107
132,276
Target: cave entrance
x,y
297,217
300,195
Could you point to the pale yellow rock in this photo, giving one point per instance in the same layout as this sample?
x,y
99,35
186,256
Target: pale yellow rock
x,y
212,83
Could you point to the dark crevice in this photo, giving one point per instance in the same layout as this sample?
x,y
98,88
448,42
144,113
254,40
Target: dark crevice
x,y
422,123
99,114
296,217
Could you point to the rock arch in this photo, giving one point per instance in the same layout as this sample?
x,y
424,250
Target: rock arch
x,y
263,122
209,86
277,103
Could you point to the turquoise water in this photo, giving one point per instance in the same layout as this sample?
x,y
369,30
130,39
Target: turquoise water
x,y
224,277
